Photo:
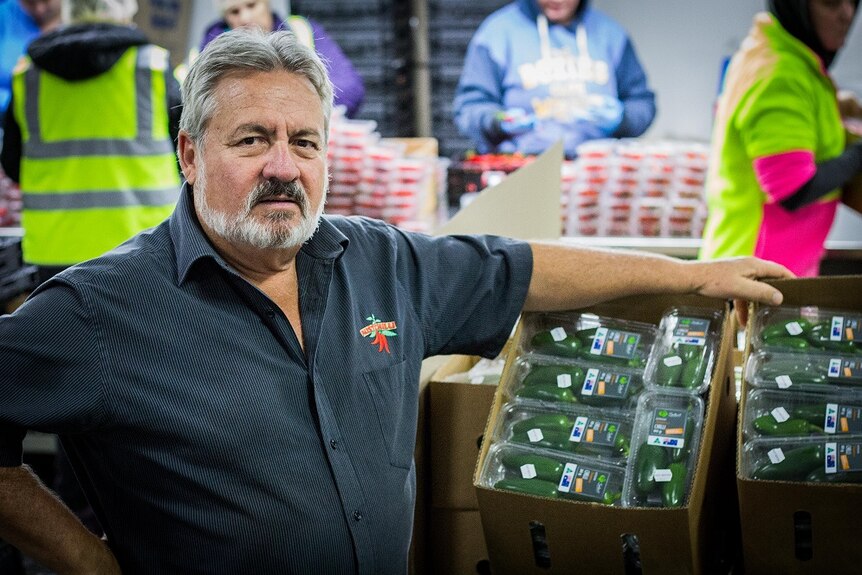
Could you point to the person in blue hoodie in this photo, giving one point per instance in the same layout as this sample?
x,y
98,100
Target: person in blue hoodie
x,y
538,71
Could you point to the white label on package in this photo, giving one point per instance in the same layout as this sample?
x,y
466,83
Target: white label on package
x,y
567,480
590,381
579,428
599,341
776,455
662,475
783,381
793,328
780,414
535,435
830,452
830,418
528,471
834,367
837,330
564,380
673,361
558,334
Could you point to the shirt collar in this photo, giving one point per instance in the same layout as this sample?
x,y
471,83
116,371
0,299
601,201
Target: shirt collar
x,y
192,245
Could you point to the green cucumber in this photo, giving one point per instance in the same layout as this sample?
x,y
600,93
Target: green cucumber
x,y
536,487
780,329
796,465
767,425
813,413
650,458
550,375
551,439
673,491
547,469
693,373
544,342
669,375
547,393
544,421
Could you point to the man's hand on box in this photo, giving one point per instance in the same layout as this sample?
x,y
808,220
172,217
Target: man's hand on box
x,y
738,279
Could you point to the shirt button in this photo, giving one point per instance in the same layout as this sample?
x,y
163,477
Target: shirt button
x,y
357,516
333,444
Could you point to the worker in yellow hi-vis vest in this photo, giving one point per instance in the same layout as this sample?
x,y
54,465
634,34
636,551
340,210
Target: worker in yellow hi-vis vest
x,y
90,136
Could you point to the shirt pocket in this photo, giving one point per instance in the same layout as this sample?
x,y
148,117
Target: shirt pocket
x,y
394,397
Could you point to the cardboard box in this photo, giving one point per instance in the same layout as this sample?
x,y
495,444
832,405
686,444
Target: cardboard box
x,y
458,414
457,546
533,535
417,561
797,527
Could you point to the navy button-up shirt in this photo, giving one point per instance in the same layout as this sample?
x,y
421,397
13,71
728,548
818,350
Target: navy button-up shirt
x,y
206,439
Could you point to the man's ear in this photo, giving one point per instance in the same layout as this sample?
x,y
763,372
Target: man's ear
x,y
188,156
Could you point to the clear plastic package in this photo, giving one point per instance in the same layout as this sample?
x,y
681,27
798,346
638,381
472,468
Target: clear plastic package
x,y
808,330
685,352
813,459
555,380
578,429
774,413
552,475
803,371
664,451
588,337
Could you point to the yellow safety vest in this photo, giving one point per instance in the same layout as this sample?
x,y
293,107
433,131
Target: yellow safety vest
x,y
97,163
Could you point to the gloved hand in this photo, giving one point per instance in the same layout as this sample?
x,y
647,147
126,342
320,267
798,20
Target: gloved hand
x,y
515,121
606,115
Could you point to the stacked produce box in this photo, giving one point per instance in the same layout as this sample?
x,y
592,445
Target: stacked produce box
x,y
374,177
638,188
610,426
803,411
605,410
799,467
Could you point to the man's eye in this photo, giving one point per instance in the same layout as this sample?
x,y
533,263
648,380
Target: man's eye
x,y
249,141
308,144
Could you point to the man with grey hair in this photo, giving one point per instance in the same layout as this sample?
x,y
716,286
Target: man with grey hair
x,y
237,388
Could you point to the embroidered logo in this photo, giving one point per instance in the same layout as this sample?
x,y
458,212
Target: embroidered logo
x,y
379,330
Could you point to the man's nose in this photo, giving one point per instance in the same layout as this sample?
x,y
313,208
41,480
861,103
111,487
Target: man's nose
x,y
281,164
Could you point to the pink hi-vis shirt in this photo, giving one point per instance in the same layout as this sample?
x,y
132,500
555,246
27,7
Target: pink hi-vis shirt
x,y
777,117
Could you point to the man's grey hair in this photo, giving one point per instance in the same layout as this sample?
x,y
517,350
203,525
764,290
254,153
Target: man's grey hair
x,y
243,52
116,11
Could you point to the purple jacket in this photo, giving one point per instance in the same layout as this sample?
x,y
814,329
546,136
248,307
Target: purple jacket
x,y
349,88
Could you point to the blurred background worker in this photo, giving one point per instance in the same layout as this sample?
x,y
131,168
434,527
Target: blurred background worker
x,y
20,22
349,87
538,71
89,134
780,152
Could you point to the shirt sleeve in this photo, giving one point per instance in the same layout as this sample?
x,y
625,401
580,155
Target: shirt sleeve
x,y
479,97
52,377
775,116
638,100
468,290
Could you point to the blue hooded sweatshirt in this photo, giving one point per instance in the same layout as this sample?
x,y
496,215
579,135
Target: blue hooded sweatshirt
x,y
517,59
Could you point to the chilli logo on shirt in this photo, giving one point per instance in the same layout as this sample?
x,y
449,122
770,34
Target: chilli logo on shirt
x,y
379,331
